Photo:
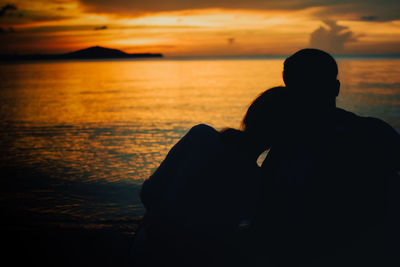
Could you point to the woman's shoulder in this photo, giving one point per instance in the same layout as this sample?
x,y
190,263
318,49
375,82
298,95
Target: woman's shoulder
x,y
203,137
204,131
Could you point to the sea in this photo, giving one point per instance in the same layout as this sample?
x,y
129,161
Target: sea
x,y
78,138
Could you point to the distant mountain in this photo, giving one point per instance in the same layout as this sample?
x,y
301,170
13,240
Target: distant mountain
x,y
95,52
102,52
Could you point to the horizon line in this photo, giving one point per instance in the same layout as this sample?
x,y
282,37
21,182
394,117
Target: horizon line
x,y
339,55
389,55
223,57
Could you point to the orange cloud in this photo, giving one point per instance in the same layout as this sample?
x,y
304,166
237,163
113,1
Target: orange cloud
x,y
376,10
233,28
332,38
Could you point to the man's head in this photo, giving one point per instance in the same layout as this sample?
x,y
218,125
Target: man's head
x,y
312,75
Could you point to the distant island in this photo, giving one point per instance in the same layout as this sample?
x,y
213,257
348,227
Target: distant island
x,y
95,52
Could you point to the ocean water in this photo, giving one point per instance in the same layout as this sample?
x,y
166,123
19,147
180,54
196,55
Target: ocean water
x,y
78,138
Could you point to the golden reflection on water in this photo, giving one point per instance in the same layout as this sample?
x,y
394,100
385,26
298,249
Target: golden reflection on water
x,y
371,88
74,93
113,120
116,120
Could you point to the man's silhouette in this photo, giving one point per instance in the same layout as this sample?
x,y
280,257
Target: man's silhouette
x,y
331,180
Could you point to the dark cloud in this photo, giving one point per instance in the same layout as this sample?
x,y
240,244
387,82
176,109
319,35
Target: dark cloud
x,y
63,1
101,28
231,40
385,10
10,14
26,16
6,8
139,7
374,10
332,38
369,18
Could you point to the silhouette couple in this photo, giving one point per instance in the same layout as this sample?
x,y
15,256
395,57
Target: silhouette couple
x,y
326,194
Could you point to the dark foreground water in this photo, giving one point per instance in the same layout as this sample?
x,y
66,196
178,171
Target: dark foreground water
x,y
77,139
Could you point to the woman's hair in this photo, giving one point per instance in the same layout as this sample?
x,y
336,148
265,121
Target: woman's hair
x,y
266,111
263,114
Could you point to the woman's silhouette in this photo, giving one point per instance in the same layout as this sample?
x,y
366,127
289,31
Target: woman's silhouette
x,y
201,201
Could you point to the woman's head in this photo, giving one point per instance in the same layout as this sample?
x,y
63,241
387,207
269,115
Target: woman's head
x,y
265,116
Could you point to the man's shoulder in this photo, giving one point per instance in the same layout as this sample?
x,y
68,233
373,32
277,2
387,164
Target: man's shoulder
x,y
369,125
375,137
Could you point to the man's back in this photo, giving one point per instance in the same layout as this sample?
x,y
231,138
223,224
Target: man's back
x,y
328,186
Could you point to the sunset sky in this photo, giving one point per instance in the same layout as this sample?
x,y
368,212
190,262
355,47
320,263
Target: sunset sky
x,y
201,28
